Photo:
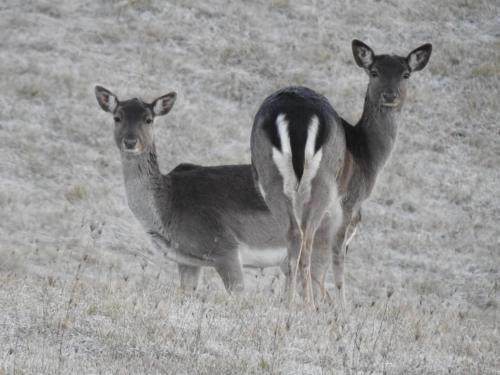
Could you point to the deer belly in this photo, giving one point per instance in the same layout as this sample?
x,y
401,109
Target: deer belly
x,y
171,251
261,257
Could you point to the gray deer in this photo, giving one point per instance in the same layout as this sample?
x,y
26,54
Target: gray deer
x,y
196,216
314,169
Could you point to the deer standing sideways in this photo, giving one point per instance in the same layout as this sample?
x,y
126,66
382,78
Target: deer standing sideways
x,y
195,216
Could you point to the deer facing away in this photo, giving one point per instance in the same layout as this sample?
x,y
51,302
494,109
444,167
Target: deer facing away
x,y
314,169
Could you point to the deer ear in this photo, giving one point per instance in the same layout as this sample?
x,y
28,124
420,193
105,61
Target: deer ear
x,y
363,55
418,58
106,99
163,104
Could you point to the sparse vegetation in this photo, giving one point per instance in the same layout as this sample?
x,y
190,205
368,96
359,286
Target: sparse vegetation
x,y
81,290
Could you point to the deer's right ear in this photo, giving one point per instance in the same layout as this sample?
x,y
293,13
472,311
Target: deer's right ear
x,y
164,104
106,99
418,58
363,55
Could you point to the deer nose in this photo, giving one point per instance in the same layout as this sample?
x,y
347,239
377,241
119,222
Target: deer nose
x,y
389,97
130,143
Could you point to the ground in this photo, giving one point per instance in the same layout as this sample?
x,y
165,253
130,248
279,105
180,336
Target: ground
x,y
80,290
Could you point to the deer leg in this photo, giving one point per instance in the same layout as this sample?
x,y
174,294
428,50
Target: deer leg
x,y
321,258
338,262
319,222
190,276
351,229
305,267
284,266
230,270
294,249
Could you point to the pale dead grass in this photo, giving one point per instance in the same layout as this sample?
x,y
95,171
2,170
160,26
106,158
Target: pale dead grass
x,y
147,326
429,237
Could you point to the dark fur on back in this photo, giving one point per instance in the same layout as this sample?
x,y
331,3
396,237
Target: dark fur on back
x,y
185,167
298,104
200,184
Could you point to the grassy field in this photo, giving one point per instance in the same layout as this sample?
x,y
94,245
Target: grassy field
x,y
80,290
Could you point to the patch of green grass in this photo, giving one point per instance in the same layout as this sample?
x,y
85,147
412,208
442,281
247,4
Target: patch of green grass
x,y
486,70
76,193
28,91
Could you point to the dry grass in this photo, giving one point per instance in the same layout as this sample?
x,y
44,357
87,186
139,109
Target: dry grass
x,y
80,291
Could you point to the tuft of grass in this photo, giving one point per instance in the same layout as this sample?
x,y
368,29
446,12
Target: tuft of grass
x,y
28,91
280,4
76,193
435,259
486,70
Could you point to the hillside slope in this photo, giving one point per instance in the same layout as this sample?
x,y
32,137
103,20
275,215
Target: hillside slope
x,y
80,289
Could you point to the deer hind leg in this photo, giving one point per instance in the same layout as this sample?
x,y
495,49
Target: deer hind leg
x,y
305,267
314,215
190,276
294,250
321,257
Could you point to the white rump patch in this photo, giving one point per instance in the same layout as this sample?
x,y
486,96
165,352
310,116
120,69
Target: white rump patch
x,y
283,159
312,161
298,192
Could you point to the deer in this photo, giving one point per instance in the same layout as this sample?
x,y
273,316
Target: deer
x,y
314,169
196,216
294,146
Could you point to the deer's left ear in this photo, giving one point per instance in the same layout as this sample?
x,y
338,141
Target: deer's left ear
x,y
106,99
363,55
418,58
163,104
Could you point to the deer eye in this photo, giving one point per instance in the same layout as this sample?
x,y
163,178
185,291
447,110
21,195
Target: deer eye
x,y
406,75
117,119
149,120
373,73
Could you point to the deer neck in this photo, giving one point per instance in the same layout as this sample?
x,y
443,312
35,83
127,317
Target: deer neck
x,y
378,128
145,189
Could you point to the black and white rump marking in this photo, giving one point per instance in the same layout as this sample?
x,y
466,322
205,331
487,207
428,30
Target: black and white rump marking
x,y
315,169
292,136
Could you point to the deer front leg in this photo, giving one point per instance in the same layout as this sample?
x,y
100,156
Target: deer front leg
x,y
230,270
338,262
190,276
